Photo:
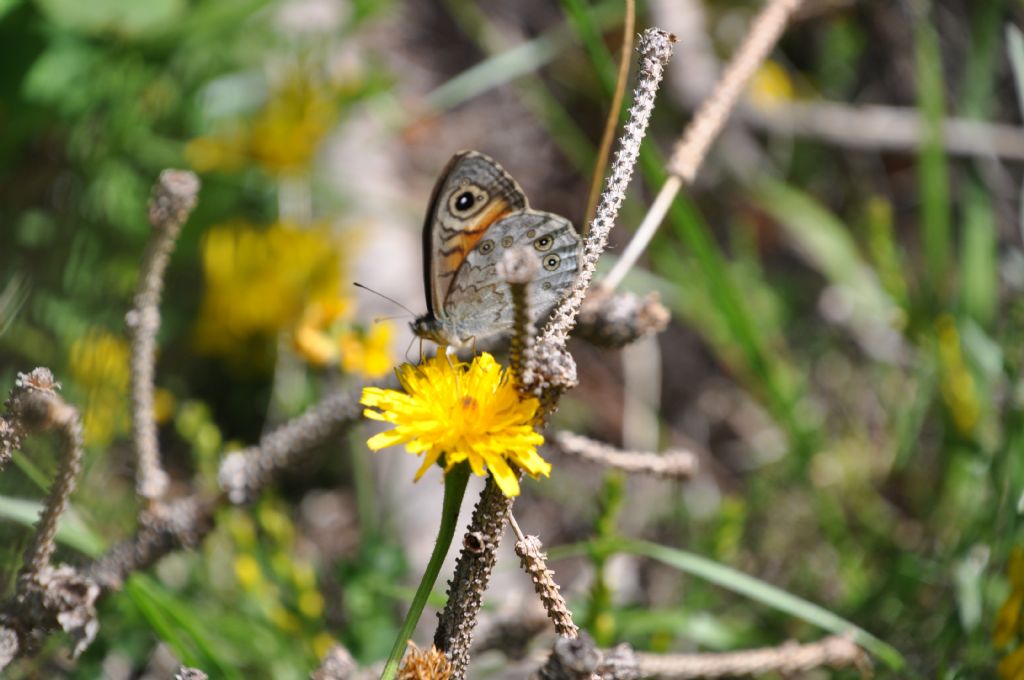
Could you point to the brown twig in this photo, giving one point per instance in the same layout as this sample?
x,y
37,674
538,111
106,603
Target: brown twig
x,y
579,659
835,651
707,122
454,634
174,196
181,523
612,122
670,464
615,320
35,403
518,267
534,562
655,48
244,473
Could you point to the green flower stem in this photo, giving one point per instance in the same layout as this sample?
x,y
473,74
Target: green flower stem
x,y
454,490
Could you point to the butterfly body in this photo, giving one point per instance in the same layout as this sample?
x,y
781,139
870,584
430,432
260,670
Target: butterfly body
x,y
476,214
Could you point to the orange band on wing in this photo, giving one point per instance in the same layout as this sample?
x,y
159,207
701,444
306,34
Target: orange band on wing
x,y
454,250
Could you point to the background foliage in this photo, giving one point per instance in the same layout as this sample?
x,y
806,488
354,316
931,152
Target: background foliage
x,y
845,354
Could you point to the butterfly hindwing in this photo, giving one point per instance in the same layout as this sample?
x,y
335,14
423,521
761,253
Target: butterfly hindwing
x,y
478,300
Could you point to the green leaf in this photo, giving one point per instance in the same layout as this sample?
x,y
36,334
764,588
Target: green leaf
x,y
71,529
759,591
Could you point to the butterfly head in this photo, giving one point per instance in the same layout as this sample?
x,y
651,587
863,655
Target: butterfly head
x,y
429,328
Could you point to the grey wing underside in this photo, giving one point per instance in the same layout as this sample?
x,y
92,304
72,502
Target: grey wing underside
x,y
479,302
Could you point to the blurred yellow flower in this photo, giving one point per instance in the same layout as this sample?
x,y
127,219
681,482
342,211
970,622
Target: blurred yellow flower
x,y
98,364
248,571
259,281
282,137
463,412
368,354
313,339
771,86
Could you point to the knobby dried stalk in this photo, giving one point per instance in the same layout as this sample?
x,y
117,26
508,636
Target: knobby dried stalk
x,y
836,651
707,122
533,561
37,405
47,598
676,464
454,634
244,473
544,367
173,198
655,48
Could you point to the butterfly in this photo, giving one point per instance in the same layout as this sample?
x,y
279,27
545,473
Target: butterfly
x,y
477,212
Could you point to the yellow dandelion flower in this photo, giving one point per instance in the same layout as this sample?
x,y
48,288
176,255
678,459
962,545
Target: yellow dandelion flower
x,y
312,339
259,282
368,354
463,412
282,136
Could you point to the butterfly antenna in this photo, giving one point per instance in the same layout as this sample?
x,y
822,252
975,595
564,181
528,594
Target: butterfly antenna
x,y
392,300
378,319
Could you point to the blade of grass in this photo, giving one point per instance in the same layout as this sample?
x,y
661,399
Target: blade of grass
x,y
72,531
979,290
932,170
759,591
176,624
825,242
513,63
535,96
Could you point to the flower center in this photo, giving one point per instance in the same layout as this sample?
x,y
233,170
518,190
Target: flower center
x,y
469,403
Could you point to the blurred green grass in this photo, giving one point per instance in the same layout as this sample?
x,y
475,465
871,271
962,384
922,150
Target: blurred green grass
x,y
865,314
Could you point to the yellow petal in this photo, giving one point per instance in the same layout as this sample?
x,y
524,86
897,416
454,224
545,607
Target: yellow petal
x,y
505,477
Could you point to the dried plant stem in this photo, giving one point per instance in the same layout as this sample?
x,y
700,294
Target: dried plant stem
x,y
174,196
655,48
835,651
454,634
710,118
41,549
644,233
707,123
519,266
612,122
534,562
244,473
670,464
182,523
41,402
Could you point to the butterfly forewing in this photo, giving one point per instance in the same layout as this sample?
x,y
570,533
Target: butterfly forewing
x,y
473,193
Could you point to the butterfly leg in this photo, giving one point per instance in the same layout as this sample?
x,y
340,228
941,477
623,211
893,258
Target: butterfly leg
x,y
449,351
